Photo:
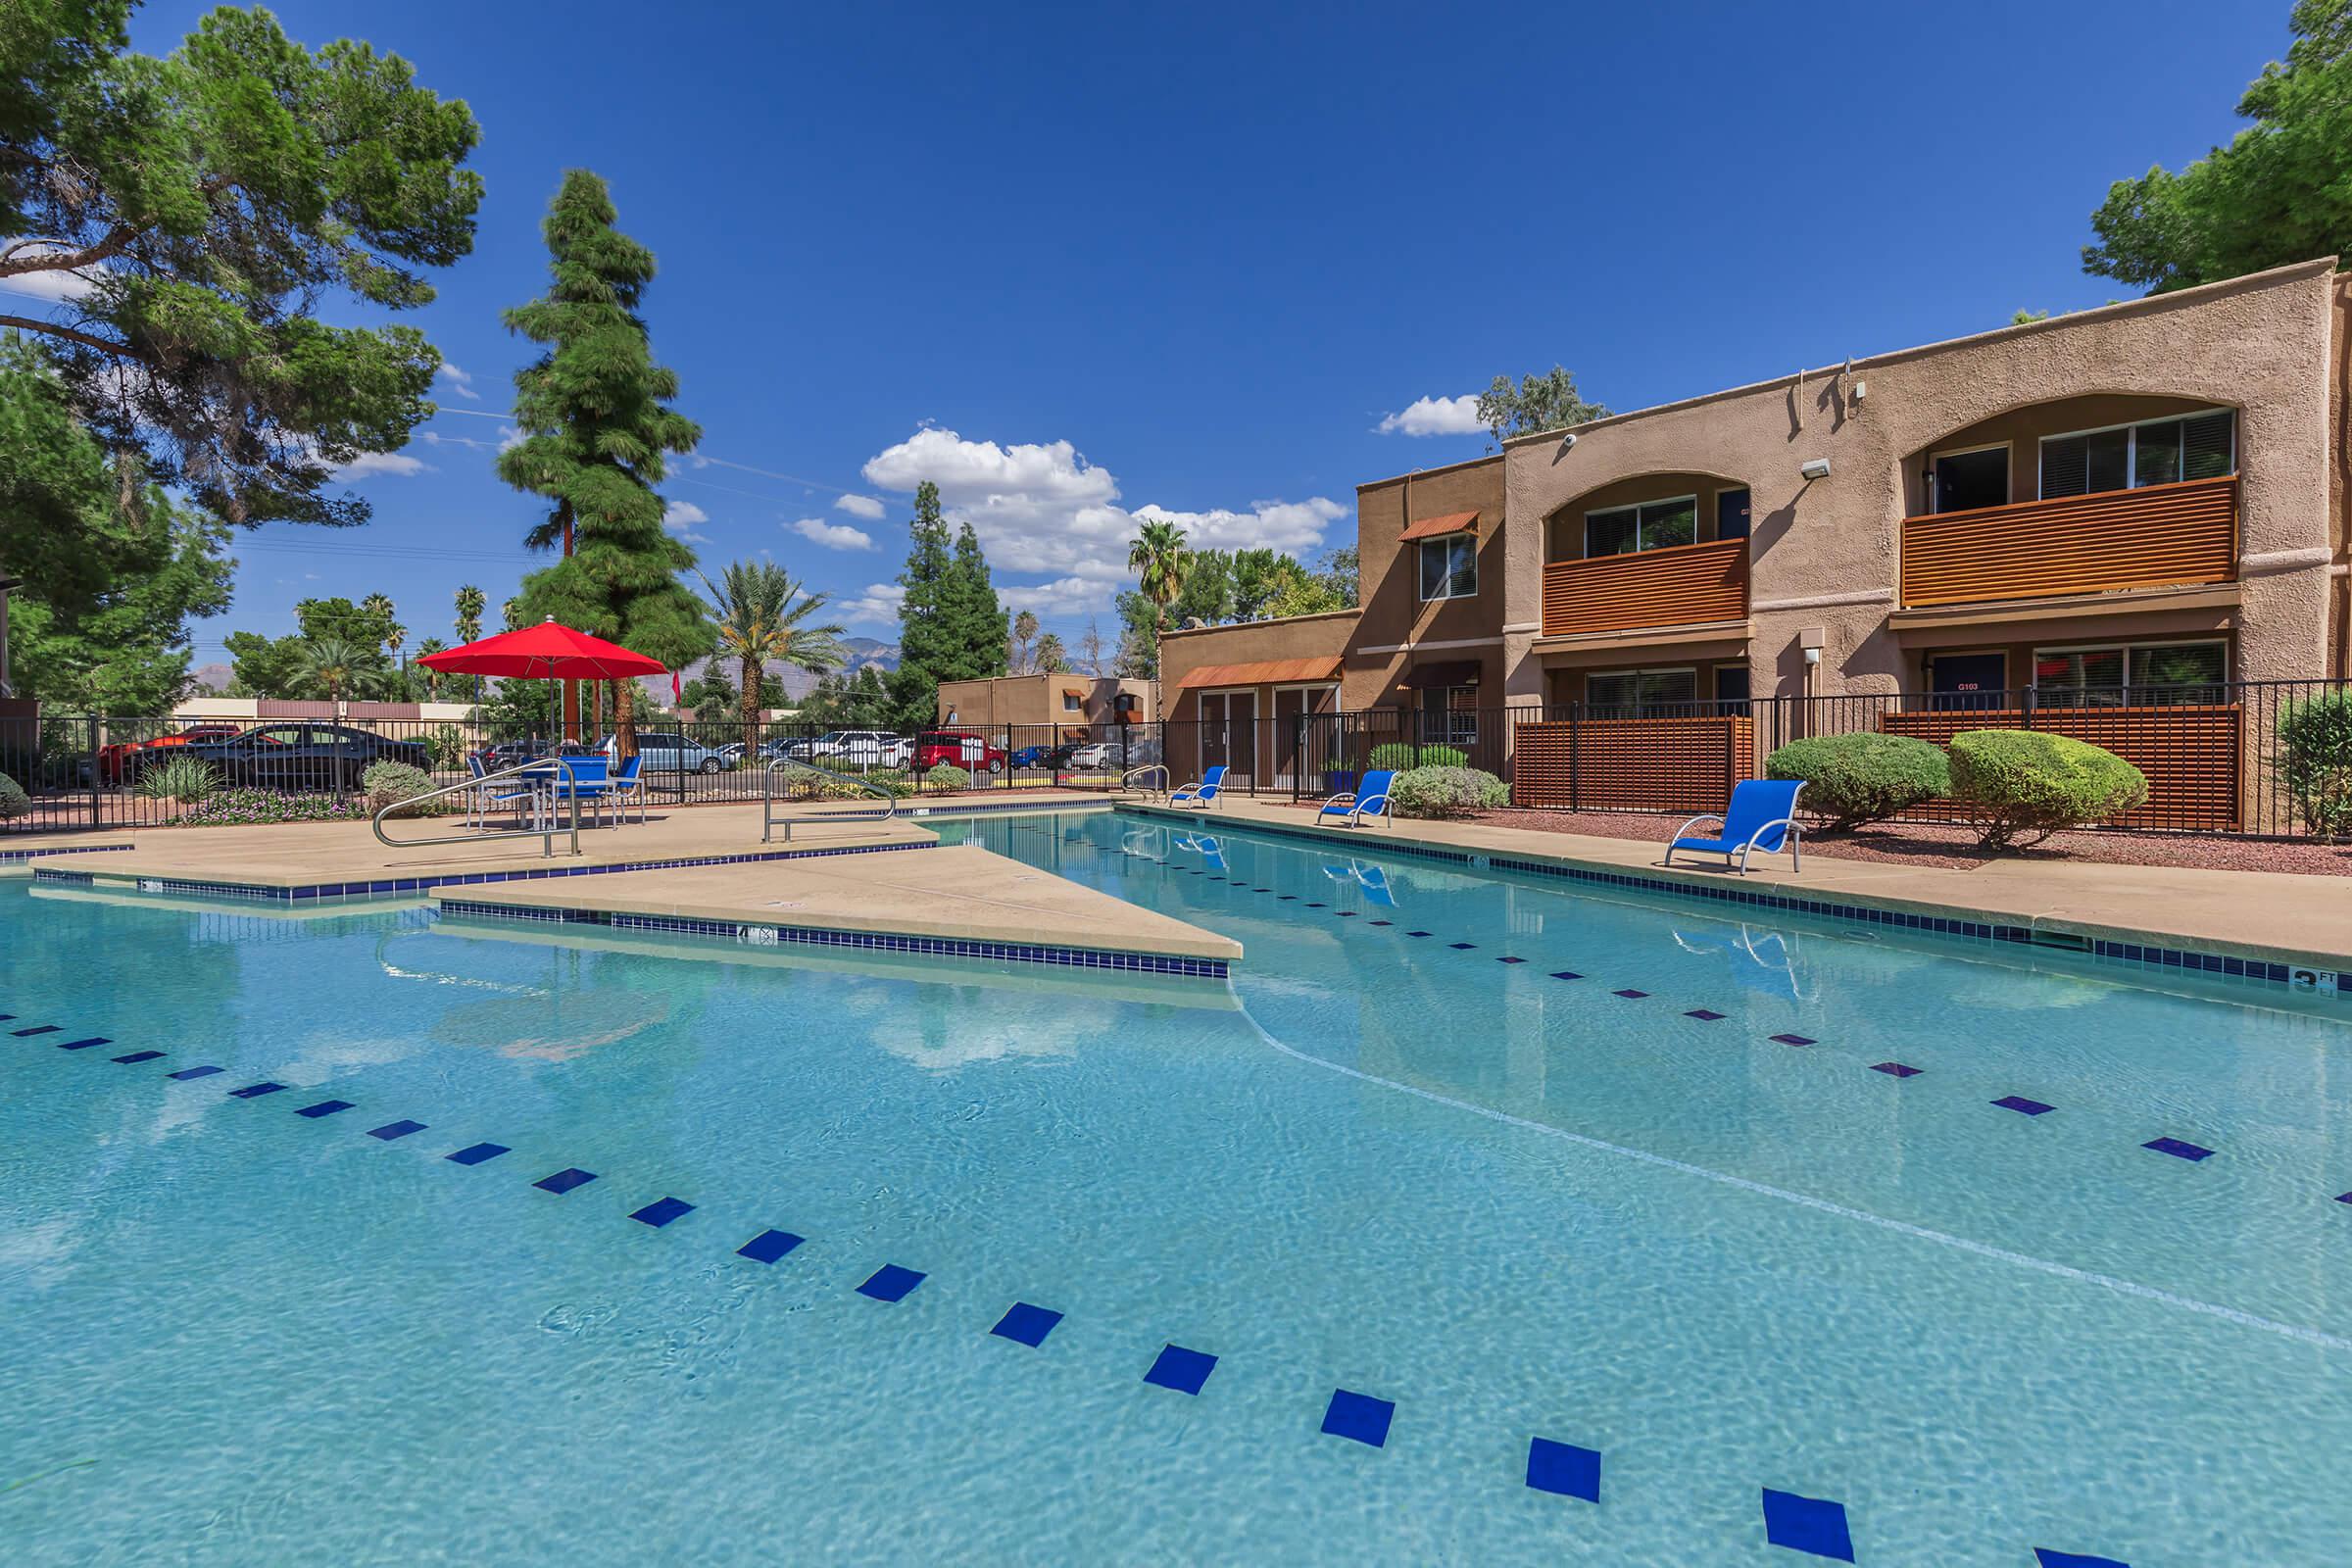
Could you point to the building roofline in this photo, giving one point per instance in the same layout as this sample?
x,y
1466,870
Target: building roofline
x,y
1270,621
2292,271
1423,473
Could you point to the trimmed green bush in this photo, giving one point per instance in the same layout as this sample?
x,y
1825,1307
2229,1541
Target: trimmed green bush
x,y
1863,777
1404,755
184,779
14,801
946,777
2014,782
1446,792
390,783
2316,737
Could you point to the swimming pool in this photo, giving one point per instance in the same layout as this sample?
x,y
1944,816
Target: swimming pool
x,y
1676,1216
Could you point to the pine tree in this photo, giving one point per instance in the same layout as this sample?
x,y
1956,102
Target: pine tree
x,y
922,642
975,619
597,433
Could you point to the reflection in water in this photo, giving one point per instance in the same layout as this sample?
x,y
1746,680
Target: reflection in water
x,y
553,1028
1761,958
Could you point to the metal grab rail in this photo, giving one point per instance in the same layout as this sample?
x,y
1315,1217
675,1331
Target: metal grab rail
x,y
1162,768
767,798
545,835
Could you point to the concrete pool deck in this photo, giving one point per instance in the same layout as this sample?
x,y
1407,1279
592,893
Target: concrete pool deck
x,y
953,901
2275,917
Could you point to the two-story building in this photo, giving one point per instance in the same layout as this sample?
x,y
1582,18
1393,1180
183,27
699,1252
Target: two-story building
x,y
2128,506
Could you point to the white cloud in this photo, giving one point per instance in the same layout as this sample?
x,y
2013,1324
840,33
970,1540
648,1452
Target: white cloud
x,y
832,535
373,463
878,606
1436,416
867,507
1043,509
680,516
459,381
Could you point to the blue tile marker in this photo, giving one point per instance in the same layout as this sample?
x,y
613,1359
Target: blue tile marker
x,y
2047,1558
139,1055
395,1129
1510,961
1566,974
1807,1524
768,1246
84,1045
1359,1417
661,1211
1630,994
1181,1369
193,1072
1702,1015
36,1029
890,1283
324,1108
1025,1324
563,1181
1896,1069
1795,1040
2179,1148
475,1153
1461,946
255,1091
1563,1468
2024,1106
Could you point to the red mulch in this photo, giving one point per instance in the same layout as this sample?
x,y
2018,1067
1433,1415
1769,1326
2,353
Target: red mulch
x,y
1954,848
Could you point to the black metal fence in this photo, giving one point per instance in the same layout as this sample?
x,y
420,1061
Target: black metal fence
x,y
2260,758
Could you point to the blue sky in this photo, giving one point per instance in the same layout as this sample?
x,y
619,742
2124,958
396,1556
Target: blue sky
x,y
1079,262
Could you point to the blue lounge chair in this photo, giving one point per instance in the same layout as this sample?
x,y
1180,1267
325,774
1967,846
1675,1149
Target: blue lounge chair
x,y
1368,801
1762,815
1202,794
627,787
588,778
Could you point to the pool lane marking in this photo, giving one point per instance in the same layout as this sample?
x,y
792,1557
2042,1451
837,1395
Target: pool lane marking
x,y
2065,1271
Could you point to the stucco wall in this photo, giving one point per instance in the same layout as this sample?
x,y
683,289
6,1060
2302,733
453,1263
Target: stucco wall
x,y
1825,554
1295,637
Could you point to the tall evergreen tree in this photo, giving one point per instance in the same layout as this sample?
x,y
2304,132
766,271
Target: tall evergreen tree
x,y
977,622
598,429
923,649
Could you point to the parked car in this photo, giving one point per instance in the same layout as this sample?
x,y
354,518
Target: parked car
x,y
124,760
668,752
513,754
958,749
1087,759
295,756
1035,756
861,748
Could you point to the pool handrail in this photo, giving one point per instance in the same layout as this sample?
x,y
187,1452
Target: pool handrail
x,y
546,834
767,797
1162,768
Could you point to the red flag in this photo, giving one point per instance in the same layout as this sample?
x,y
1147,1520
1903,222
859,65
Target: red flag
x,y
678,693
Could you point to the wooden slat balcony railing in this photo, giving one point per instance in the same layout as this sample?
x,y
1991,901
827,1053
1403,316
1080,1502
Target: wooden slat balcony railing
x,y
1677,586
2162,536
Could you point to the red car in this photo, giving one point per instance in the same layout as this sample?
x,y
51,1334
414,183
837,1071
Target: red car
x,y
955,747
120,762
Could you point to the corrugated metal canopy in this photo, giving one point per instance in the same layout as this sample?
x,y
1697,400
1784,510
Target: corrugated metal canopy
x,y
1265,672
1433,527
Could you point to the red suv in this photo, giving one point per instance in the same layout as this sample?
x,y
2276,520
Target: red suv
x,y
121,762
955,747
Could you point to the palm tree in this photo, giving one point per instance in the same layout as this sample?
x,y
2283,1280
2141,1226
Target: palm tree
x,y
472,602
1050,659
759,611
333,665
1024,633
1157,555
425,648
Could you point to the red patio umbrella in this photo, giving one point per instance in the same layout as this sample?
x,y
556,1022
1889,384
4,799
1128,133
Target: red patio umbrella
x,y
549,650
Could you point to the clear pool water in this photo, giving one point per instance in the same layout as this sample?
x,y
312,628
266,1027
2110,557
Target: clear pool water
x,y
1513,1204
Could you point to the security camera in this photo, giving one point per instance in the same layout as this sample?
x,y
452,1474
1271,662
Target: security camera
x,y
1567,440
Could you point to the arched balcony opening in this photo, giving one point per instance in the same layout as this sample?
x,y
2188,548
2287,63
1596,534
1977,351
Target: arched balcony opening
x,y
1652,550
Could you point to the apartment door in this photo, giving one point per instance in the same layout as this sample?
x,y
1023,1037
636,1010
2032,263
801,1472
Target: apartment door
x,y
1294,708
1229,734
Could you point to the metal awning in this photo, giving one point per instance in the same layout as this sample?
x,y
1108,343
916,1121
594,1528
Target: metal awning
x,y
1434,527
1442,672
1265,672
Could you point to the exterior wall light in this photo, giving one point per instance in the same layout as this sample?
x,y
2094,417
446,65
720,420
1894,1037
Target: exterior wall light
x,y
1814,468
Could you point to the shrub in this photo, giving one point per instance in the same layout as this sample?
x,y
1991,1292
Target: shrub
x,y
2316,735
2015,781
14,801
185,779
1405,755
1446,792
1863,777
946,776
242,806
446,748
390,783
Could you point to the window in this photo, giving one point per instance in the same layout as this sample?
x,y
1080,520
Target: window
x,y
1731,688
2195,446
1070,702
1962,481
1652,525
1731,514
1450,566
2145,675
1640,693
1450,715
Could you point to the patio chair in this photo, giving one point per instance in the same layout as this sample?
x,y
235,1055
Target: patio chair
x,y
1367,802
488,795
588,780
627,786
1202,794
1762,815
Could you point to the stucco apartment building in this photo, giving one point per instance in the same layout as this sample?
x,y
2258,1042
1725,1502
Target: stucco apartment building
x,y
2125,506
1067,701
